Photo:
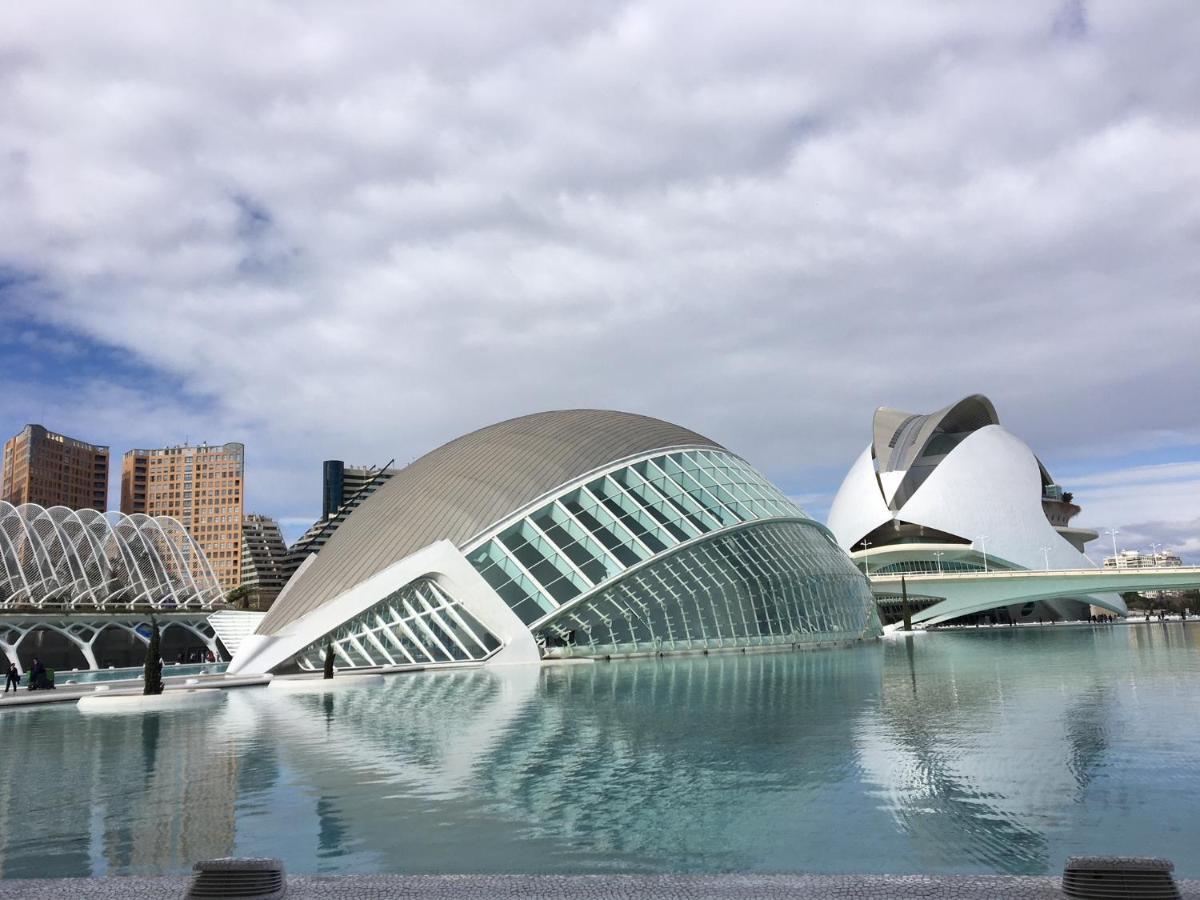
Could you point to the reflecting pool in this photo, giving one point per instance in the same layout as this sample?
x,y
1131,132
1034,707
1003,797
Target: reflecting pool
x,y
990,751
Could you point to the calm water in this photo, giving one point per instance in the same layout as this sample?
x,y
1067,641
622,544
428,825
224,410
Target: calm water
x,y
1001,751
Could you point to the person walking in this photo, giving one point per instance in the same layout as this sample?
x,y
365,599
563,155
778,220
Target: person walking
x,y
37,675
14,678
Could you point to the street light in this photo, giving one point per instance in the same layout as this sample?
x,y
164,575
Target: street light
x,y
983,543
1046,557
1154,548
866,560
1114,532
939,554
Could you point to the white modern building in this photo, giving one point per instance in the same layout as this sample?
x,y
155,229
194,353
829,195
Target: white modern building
x,y
1157,559
570,533
953,491
1135,559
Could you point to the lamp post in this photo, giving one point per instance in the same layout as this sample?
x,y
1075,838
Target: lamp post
x,y
983,543
939,554
866,560
1046,557
1154,548
1114,532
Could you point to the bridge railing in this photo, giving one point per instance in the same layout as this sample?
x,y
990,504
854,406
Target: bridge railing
x,y
1130,574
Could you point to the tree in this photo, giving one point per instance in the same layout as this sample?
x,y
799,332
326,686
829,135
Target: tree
x,y
239,595
152,682
329,660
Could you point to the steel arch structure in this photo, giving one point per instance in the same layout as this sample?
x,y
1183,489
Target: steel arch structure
x,y
64,559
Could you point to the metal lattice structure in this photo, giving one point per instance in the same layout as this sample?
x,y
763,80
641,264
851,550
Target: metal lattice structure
x,y
65,559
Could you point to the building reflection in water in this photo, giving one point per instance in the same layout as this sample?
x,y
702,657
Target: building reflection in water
x,y
933,753
121,793
609,766
955,749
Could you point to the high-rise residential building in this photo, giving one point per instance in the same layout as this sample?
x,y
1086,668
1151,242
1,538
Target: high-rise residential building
x,y
344,484
344,488
264,560
51,469
201,486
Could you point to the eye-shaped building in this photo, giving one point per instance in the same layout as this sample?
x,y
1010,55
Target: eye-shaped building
x,y
567,533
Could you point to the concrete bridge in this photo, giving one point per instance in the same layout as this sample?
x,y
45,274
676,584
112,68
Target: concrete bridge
x,y
972,592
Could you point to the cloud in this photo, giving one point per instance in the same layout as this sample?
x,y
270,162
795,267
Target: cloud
x,y
359,234
1147,504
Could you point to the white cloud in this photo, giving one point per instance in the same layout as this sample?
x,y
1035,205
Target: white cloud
x,y
360,232
1146,504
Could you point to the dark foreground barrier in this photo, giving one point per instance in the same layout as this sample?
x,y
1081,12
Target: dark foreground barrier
x,y
238,879
1119,877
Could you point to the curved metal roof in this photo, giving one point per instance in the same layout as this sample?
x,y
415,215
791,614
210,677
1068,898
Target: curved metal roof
x,y
460,489
899,437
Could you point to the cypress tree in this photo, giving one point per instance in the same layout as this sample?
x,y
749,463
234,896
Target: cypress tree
x,y
329,660
152,672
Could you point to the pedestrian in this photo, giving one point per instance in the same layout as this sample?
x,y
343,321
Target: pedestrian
x,y
14,677
37,675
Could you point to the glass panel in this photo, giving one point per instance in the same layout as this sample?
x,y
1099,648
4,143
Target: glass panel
x,y
573,544
597,525
775,583
417,624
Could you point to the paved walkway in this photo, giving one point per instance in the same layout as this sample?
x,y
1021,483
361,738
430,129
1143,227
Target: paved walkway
x,y
70,693
581,887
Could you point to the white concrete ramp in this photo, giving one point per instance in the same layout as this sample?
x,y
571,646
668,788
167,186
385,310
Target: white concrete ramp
x,y
234,625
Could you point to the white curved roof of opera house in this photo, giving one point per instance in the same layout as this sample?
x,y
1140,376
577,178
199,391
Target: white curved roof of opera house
x,y
956,485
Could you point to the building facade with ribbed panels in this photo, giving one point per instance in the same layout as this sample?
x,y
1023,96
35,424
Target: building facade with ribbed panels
x,y
264,561
51,469
203,487
570,533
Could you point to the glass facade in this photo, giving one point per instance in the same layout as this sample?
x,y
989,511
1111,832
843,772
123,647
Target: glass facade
x,y
679,550
419,624
596,531
739,587
779,582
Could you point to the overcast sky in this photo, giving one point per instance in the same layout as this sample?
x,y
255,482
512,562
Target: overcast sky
x,y
359,230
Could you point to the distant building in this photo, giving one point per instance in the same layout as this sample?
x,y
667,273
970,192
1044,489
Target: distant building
x,y
201,486
51,469
264,560
344,488
1135,559
342,484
